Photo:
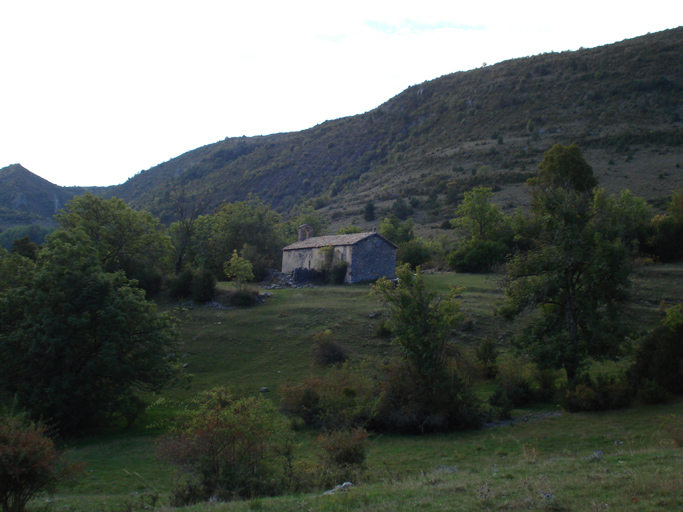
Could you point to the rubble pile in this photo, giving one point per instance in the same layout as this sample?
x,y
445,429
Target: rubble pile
x,y
277,280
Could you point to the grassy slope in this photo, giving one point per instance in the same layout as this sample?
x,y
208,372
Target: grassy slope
x,y
269,345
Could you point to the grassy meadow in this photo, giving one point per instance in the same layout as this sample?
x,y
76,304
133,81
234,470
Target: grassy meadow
x,y
622,460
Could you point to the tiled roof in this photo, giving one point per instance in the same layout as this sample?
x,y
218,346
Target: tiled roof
x,y
324,241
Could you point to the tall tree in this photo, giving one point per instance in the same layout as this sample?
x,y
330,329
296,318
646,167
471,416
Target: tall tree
x,y
477,216
249,227
425,392
186,212
78,343
124,238
575,277
396,231
485,227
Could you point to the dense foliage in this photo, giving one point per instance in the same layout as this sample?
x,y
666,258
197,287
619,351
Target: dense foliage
x,y
228,446
78,343
659,358
424,392
576,274
248,227
125,239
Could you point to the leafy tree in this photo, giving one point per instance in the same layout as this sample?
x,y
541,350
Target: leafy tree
x,y
575,276
36,233
396,231
675,206
78,343
424,393
308,216
659,357
486,231
415,252
477,217
15,270
125,239
186,211
26,248
477,255
238,269
248,222
401,209
29,462
420,320
665,240
229,446
626,216
564,167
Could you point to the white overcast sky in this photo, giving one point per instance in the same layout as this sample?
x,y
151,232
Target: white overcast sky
x,y
92,92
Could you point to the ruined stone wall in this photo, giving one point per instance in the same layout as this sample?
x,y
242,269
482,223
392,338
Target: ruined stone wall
x,y
371,259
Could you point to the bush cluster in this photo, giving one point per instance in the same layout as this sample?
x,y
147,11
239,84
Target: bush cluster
x,y
342,399
600,394
408,405
326,351
199,285
230,446
385,397
659,360
29,462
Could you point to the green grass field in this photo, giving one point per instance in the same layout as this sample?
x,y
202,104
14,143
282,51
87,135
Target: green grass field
x,y
503,468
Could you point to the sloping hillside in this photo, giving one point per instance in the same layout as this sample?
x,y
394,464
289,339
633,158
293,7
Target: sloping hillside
x,y
29,199
623,104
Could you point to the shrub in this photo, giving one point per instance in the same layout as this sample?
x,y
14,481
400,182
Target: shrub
x,y
342,454
414,252
180,286
599,394
230,446
408,405
326,351
344,447
382,329
672,427
29,462
521,383
148,276
242,298
477,255
203,286
343,398
659,358
487,354
651,393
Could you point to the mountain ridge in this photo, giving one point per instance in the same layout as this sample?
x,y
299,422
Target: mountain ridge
x,y
621,103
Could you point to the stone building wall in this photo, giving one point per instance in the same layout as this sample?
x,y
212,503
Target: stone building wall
x,y
301,258
371,259
368,259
